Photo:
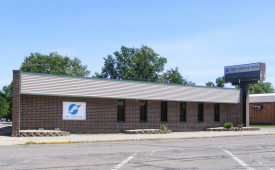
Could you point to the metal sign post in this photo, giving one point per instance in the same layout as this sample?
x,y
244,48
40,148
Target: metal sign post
x,y
245,75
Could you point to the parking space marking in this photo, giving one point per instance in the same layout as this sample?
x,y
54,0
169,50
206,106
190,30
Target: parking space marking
x,y
151,153
123,162
238,160
265,165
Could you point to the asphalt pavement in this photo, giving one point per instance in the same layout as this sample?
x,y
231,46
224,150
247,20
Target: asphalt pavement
x,y
245,152
5,139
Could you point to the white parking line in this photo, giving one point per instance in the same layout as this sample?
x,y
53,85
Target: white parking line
x,y
265,165
123,162
238,160
151,153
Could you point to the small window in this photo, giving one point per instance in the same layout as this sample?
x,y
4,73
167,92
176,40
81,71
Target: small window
x,y
143,111
183,112
164,111
121,110
200,112
217,113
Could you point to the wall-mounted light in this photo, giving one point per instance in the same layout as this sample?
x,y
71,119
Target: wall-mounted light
x,y
258,107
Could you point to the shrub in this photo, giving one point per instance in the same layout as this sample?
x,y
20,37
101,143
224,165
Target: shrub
x,y
228,125
162,127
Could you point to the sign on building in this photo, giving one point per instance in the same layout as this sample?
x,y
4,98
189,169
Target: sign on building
x,y
74,110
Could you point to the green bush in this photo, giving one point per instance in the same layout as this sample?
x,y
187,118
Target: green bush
x,y
162,127
228,125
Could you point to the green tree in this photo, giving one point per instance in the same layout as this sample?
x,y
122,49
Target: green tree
x,y
6,101
261,87
109,70
210,84
39,63
4,107
54,64
174,76
219,82
133,64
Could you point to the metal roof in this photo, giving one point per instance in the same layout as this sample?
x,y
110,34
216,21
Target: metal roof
x,y
56,85
262,98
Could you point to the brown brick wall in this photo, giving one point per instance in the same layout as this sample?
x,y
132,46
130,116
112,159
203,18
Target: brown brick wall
x,y
101,115
16,103
266,116
233,114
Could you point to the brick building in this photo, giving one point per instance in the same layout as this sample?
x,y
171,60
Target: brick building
x,y
262,109
111,106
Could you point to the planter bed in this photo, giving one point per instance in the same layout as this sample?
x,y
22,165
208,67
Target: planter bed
x,y
147,131
41,133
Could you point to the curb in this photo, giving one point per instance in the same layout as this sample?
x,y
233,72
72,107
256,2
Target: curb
x,y
141,139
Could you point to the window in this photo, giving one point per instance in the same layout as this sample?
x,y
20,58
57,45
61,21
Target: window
x,y
164,111
121,110
200,112
217,113
143,111
183,112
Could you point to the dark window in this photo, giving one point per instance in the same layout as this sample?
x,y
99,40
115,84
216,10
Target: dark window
x,y
183,112
200,112
163,111
217,113
143,111
121,110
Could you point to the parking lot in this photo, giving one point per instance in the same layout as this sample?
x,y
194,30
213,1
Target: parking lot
x,y
256,152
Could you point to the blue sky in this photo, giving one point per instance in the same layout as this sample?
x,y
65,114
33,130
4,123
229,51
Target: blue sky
x,y
199,37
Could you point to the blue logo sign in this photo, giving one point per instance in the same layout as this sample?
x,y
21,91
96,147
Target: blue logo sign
x,y
73,109
227,70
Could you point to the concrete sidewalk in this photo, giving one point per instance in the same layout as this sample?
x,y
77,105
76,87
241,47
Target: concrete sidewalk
x,y
89,138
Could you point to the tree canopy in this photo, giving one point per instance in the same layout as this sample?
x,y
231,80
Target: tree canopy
x,y
133,64
261,87
141,64
6,102
4,107
39,63
210,84
54,63
174,76
219,82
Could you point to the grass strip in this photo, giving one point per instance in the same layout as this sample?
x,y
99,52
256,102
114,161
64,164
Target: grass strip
x,y
48,142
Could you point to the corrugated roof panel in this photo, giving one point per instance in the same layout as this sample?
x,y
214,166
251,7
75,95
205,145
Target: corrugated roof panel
x,y
45,84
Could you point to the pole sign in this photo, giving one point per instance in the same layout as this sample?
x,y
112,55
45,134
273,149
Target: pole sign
x,y
253,72
245,75
242,68
74,110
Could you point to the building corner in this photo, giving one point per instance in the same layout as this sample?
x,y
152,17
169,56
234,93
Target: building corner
x,y
16,104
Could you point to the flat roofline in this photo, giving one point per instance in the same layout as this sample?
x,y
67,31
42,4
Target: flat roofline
x,y
263,94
